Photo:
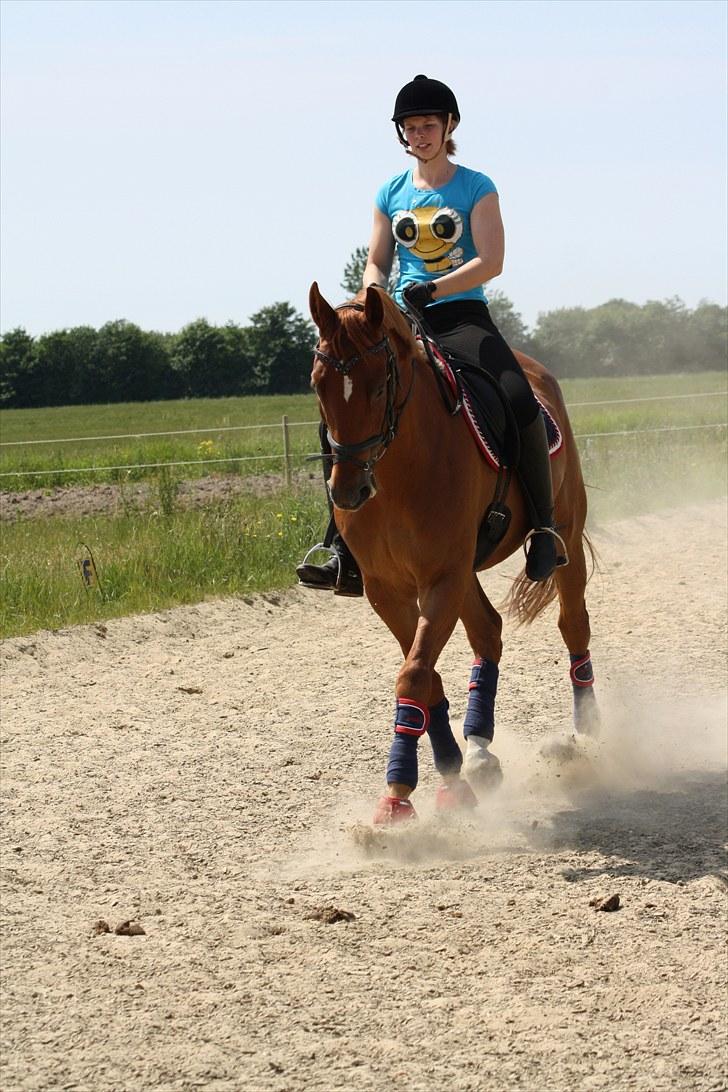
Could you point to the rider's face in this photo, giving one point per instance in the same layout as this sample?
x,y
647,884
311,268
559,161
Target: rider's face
x,y
424,135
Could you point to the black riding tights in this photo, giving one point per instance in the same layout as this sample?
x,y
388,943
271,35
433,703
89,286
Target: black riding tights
x,y
465,328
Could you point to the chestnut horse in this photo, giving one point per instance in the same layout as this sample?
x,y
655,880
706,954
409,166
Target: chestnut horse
x,y
410,490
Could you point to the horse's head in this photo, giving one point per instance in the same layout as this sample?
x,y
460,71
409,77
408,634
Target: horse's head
x,y
364,346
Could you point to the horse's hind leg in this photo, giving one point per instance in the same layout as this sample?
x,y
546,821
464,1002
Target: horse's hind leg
x,y
483,625
576,632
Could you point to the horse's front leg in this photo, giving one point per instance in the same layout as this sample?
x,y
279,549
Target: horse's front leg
x,y
421,705
401,614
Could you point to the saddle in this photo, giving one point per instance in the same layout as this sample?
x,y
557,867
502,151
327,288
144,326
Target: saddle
x,y
488,414
470,390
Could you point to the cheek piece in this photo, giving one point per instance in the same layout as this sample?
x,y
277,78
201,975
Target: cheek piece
x,y
411,720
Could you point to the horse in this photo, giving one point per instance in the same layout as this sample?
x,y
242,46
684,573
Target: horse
x,y
409,490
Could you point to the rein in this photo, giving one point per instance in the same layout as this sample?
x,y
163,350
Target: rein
x,y
392,413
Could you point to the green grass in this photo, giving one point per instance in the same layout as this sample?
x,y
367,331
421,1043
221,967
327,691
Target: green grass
x,y
148,561
163,555
659,412
631,476
43,465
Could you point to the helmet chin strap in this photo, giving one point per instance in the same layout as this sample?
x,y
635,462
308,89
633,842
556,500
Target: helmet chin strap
x,y
445,137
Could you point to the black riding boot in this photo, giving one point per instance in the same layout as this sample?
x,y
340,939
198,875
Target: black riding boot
x,y
535,473
340,573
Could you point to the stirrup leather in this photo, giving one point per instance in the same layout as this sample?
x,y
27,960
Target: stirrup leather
x,y
561,560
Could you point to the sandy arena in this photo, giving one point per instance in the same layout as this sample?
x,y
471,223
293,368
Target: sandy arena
x,y
208,773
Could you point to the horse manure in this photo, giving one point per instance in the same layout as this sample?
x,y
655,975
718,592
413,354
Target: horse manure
x,y
100,927
129,929
612,903
329,915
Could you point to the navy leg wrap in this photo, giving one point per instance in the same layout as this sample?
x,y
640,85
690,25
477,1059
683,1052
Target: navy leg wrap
x,y
480,716
411,720
447,754
582,681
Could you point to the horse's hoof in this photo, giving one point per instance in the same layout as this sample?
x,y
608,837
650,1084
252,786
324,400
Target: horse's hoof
x,y
391,810
455,796
482,768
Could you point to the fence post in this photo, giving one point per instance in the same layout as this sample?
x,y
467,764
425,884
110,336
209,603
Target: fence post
x,y
286,452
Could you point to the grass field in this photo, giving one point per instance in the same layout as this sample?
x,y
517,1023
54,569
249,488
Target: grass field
x,y
245,450
164,554
148,560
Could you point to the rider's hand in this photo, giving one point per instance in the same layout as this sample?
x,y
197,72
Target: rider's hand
x,y
419,294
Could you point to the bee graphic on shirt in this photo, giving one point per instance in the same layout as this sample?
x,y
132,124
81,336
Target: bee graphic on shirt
x,y
431,234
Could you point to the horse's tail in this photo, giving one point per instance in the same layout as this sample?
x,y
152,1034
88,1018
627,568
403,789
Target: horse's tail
x,y
526,599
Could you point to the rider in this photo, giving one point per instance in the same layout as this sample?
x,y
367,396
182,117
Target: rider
x,y
445,222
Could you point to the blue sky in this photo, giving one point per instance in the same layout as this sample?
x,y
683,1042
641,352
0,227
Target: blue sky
x,y
166,160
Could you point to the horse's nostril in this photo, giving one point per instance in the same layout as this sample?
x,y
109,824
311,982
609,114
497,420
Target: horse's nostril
x,y
364,494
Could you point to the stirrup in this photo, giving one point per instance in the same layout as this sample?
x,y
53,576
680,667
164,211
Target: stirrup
x,y
315,549
561,560
304,570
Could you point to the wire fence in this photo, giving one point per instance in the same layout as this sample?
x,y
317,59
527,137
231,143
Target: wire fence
x,y
299,424
290,458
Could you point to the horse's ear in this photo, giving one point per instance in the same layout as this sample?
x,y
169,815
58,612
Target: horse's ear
x,y
322,313
373,307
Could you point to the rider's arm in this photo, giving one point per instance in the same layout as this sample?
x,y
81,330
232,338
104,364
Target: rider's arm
x,y
488,236
381,252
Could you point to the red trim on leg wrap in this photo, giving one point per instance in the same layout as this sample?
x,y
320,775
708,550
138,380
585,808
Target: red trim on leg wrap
x,y
407,713
587,676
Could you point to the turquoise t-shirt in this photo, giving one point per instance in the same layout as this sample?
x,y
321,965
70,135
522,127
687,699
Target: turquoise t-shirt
x,y
432,227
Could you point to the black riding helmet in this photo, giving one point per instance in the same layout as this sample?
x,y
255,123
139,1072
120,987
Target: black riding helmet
x,y
423,96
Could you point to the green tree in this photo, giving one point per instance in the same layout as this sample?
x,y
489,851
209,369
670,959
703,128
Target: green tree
x,y
19,383
67,366
354,272
203,361
280,341
508,320
132,365
707,330
243,368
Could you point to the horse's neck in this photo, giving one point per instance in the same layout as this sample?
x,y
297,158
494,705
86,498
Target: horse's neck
x,y
419,433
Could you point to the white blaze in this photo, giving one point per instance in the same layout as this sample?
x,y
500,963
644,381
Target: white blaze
x,y
348,387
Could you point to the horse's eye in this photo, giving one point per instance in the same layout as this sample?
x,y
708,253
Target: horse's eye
x,y
405,229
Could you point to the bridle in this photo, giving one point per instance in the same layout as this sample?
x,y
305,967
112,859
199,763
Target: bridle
x,y
392,413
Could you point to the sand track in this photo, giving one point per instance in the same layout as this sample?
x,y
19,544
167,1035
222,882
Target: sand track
x,y
202,771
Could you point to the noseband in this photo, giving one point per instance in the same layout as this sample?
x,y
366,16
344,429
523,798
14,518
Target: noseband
x,y
348,452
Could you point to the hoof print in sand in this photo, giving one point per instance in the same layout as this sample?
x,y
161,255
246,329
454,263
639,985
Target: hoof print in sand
x,y
329,915
129,929
608,905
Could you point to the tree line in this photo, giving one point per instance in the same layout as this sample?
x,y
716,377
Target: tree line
x,y
123,363
120,362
